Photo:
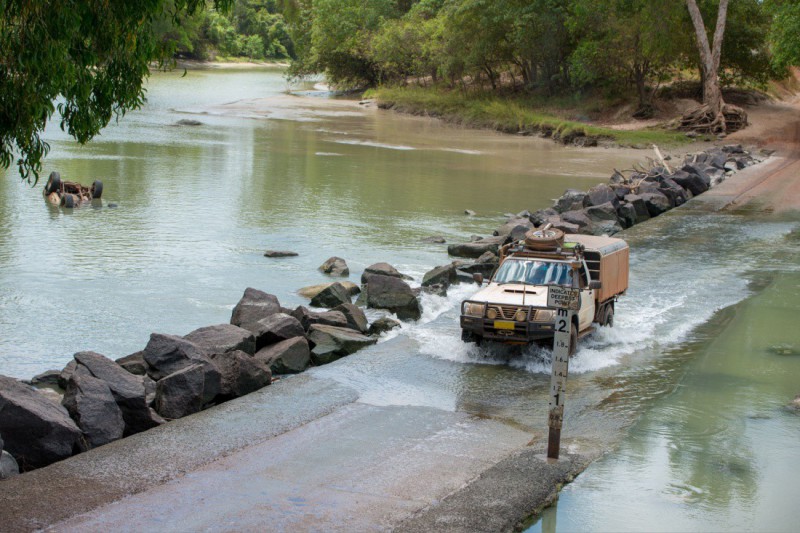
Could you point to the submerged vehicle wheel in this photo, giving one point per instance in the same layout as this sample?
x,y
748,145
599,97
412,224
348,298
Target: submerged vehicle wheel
x,y
544,239
608,316
68,200
97,189
573,340
53,183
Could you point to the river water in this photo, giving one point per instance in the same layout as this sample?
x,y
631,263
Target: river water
x,y
688,390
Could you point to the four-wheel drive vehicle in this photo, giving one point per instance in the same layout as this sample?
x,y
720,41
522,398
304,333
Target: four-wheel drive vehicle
x,y
513,307
70,193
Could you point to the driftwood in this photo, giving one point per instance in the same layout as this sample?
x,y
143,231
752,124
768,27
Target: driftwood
x,y
704,120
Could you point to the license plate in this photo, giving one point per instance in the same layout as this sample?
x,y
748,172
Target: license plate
x,y
503,324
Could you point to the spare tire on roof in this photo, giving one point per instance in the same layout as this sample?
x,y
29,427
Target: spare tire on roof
x,y
544,238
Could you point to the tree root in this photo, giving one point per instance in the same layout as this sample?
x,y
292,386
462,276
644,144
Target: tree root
x,y
704,120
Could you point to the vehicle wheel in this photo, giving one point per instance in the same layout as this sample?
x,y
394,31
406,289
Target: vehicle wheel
x,y
573,340
97,189
469,336
53,183
608,316
544,239
68,200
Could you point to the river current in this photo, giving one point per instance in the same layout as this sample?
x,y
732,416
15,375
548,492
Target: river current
x,y
688,391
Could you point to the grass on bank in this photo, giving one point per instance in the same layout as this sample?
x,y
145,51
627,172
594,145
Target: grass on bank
x,y
511,114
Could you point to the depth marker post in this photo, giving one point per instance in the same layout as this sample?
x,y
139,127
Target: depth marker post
x,y
566,301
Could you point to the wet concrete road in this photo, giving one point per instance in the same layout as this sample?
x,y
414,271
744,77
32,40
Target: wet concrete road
x,y
270,461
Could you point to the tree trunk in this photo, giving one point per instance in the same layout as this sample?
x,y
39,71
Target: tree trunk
x,y
710,116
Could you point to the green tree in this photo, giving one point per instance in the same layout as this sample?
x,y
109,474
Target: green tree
x,y
784,33
90,56
625,42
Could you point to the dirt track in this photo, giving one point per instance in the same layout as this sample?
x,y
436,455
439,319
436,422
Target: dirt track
x,y
773,187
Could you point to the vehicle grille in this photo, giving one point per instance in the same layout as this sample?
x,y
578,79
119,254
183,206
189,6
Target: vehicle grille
x,y
506,312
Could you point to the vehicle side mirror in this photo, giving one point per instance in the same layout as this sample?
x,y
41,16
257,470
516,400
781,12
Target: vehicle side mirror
x,y
478,278
595,284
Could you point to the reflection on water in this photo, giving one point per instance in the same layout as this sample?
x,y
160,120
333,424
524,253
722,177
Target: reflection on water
x,y
198,205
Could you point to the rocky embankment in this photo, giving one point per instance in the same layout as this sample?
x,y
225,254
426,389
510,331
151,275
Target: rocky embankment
x,y
95,400
626,200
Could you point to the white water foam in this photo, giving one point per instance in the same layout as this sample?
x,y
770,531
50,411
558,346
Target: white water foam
x,y
667,299
374,144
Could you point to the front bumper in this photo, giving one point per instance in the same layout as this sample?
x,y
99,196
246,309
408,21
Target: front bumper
x,y
502,329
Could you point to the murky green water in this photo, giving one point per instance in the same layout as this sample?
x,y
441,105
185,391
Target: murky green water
x,y
717,449
698,359
198,206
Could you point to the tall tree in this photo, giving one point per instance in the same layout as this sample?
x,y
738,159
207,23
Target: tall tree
x,y
713,116
90,56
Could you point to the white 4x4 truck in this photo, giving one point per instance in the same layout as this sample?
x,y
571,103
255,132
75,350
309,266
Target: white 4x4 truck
x,y
513,307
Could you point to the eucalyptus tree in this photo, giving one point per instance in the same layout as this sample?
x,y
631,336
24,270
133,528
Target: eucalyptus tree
x,y
85,59
714,115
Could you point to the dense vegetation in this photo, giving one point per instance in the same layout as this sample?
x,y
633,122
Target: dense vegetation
x,y
86,59
615,46
252,29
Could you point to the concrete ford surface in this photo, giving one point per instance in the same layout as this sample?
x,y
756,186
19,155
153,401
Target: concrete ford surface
x,y
535,276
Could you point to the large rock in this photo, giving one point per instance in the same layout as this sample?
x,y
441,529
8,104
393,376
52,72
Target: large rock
x,y
333,295
355,317
127,389
691,182
63,378
133,363
48,378
477,248
276,328
570,201
8,465
223,338
183,392
254,306
382,325
600,194
166,354
602,213
335,266
656,203
35,430
566,227
313,290
169,354
286,357
329,318
543,216
697,170
627,215
331,343
484,269
385,292
639,206
676,194
441,275
515,228
579,218
382,269
92,406
241,372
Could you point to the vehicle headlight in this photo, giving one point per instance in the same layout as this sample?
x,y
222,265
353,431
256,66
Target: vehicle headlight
x,y
520,316
544,315
474,309
491,314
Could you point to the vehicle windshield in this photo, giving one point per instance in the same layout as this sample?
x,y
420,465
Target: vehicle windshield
x,y
534,273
